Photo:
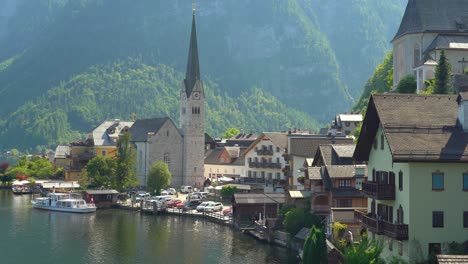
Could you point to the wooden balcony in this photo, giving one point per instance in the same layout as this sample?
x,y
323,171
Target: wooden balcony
x,y
85,156
265,165
379,191
395,231
264,152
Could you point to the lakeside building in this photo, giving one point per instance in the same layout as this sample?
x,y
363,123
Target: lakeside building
x,y
417,152
102,141
226,161
302,148
427,27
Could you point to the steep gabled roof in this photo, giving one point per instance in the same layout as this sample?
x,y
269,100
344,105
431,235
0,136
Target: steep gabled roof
x,y
416,127
439,16
307,146
278,139
142,127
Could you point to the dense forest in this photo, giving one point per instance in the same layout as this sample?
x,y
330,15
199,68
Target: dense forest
x,y
285,63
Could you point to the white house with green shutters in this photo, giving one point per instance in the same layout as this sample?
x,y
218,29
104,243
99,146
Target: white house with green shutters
x,y
417,154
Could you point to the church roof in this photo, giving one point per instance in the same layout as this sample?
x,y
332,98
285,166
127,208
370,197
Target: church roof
x,y
448,42
439,16
142,127
193,68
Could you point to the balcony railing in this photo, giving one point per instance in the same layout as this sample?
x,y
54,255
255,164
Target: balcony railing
x,y
85,156
395,231
379,191
264,152
265,165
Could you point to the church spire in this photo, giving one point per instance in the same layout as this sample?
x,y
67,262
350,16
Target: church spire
x,y
193,68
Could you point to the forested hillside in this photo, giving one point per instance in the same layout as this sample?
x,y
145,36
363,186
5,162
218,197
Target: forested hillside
x,y
311,55
115,91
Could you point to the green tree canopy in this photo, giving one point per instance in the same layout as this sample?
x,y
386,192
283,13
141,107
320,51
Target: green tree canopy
x,y
407,85
315,247
228,191
367,251
159,177
101,171
230,132
297,218
443,73
126,163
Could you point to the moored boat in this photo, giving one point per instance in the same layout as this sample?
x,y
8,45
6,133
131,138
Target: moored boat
x,y
21,187
63,202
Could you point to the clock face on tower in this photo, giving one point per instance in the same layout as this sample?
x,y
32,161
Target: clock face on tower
x,y
196,95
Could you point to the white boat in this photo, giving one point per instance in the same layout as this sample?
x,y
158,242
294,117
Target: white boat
x,y
64,203
21,187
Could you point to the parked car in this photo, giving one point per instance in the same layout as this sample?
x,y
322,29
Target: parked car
x,y
201,194
171,191
195,197
142,196
186,189
227,211
188,205
202,206
214,207
163,192
173,203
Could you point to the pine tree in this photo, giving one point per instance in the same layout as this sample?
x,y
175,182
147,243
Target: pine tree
x,y
442,75
315,247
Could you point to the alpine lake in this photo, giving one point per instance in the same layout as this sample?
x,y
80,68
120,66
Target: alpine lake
x,y
29,235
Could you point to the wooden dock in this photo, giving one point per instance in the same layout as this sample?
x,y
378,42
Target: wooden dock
x,y
217,217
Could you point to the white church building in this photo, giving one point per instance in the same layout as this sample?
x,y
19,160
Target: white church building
x,y
182,148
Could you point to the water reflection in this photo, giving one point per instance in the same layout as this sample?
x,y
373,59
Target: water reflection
x,y
117,236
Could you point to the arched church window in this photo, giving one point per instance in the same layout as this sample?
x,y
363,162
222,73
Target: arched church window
x,y
416,55
167,159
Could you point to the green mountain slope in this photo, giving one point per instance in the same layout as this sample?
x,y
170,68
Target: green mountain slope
x,y
380,82
314,55
117,90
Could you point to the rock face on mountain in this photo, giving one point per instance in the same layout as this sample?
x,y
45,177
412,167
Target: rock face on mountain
x,y
312,55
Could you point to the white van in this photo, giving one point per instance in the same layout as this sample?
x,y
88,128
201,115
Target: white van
x,y
186,189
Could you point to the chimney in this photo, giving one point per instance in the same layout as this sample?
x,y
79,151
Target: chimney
x,y
462,101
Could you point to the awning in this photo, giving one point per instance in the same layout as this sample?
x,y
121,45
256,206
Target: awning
x,y
299,194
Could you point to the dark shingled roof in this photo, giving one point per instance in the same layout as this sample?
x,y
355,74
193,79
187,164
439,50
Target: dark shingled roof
x,y
341,171
417,128
344,151
440,16
314,173
447,42
212,157
279,139
259,198
193,68
307,146
142,127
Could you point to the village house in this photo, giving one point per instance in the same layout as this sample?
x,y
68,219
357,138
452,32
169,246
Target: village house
x,y
334,180
225,162
302,148
264,159
248,207
427,27
102,141
417,154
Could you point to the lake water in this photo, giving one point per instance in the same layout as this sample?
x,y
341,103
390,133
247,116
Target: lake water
x,y
28,235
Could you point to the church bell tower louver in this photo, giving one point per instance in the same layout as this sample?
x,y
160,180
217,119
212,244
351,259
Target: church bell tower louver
x,y
192,116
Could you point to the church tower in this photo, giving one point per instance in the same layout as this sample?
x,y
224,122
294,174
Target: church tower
x,y
192,117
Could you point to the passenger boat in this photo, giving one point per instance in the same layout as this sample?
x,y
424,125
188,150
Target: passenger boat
x,y
63,202
21,187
